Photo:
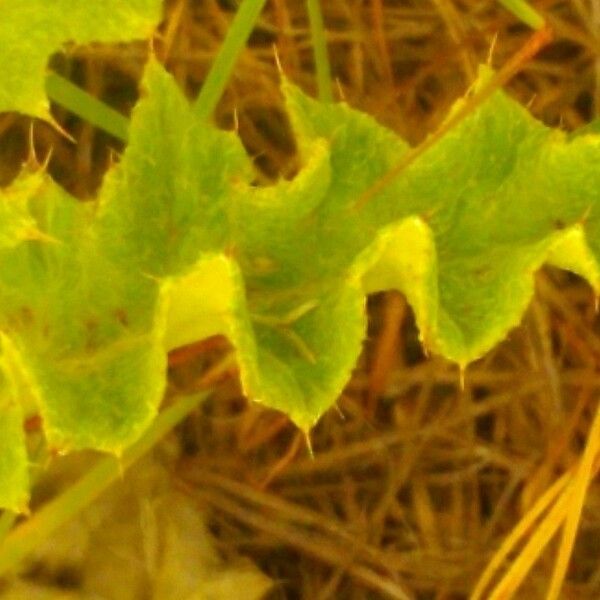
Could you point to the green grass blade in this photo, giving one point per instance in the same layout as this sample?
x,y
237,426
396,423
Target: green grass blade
x,y
84,105
22,540
525,12
235,41
318,34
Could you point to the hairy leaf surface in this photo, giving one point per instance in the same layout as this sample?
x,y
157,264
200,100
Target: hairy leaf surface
x,y
88,333
283,270
497,196
183,245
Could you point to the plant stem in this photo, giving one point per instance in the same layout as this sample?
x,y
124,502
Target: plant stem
x,y
22,540
237,35
84,105
319,41
525,12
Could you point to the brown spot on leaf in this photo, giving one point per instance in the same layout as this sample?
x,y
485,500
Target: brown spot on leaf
x,y
121,315
21,318
482,272
26,315
91,324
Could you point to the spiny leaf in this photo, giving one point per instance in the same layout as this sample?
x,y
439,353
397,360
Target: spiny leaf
x,y
31,31
167,201
180,196
89,335
497,196
460,238
16,222
182,236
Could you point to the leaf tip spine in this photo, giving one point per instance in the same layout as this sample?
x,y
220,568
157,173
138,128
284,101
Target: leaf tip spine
x,y
308,441
462,375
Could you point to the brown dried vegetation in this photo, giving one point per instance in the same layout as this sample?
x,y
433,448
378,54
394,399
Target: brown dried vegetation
x,y
415,480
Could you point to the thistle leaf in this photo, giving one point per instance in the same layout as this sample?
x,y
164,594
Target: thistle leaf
x,y
88,334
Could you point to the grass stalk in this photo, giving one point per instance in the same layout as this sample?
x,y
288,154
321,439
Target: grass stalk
x,y
548,499
84,105
525,12
237,36
532,550
581,481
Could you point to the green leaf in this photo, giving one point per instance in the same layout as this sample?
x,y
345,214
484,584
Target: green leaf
x,y
14,465
232,256
498,217
31,31
524,196
300,248
16,222
88,334
14,476
182,245
168,199
283,270
461,238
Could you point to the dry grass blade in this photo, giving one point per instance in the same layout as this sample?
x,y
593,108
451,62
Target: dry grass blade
x,y
577,491
527,523
565,498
